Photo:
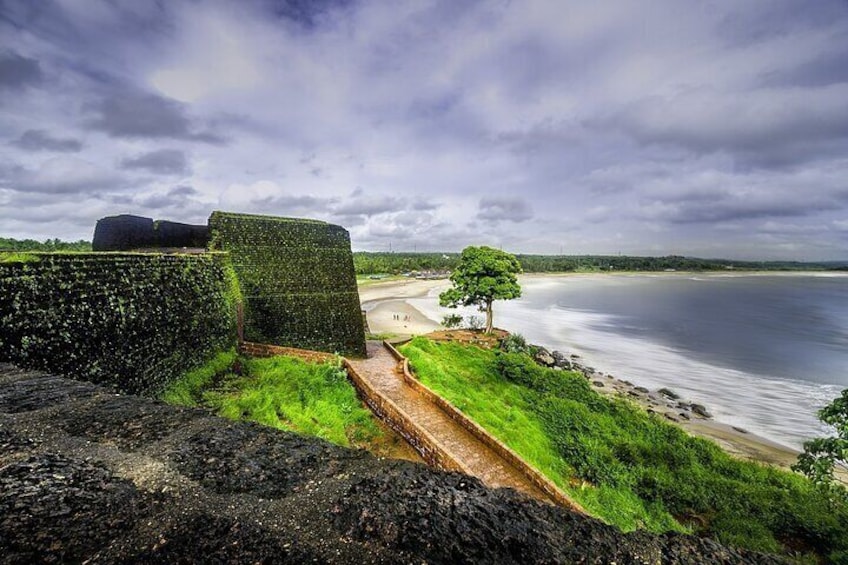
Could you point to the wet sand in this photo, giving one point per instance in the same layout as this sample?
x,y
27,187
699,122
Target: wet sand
x,y
385,301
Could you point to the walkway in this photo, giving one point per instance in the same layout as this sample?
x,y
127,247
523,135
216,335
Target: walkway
x,y
381,371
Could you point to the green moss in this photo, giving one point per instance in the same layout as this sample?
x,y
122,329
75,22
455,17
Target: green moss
x,y
296,278
18,257
624,465
133,320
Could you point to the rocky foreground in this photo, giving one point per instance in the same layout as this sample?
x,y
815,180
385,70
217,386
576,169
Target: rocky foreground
x,y
90,475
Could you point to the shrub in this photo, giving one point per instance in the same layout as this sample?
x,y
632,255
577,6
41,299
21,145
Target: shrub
x,y
452,321
514,343
474,322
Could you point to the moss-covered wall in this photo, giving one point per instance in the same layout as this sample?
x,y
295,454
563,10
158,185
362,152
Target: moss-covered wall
x,y
297,279
133,320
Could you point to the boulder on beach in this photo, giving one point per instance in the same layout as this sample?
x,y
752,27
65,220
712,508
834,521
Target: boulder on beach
x,y
701,410
561,361
669,393
543,357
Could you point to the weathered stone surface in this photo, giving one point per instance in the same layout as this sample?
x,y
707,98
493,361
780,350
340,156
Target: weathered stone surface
x,y
543,357
107,478
669,393
561,360
701,410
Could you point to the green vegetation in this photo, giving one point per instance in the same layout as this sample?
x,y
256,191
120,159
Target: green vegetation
x,y
188,389
129,319
627,466
280,392
48,245
18,257
822,454
367,263
297,280
482,276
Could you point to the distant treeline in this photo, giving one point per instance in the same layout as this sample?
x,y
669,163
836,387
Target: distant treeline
x,y
10,244
369,263
373,263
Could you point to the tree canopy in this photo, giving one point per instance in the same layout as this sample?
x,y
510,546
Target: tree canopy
x,y
482,276
821,454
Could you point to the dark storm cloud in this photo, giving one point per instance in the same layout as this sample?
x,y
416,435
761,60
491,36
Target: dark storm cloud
x,y
733,210
504,209
749,23
823,70
61,175
80,27
423,205
18,72
308,13
184,190
136,114
41,140
757,128
297,202
160,162
361,205
177,196
711,204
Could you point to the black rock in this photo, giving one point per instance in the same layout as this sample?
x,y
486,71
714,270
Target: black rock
x,y
701,410
669,393
543,357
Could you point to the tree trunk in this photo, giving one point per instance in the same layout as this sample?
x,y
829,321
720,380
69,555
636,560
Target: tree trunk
x,y
488,316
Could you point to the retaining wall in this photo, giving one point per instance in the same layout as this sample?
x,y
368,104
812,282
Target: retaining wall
x,y
133,320
538,479
400,422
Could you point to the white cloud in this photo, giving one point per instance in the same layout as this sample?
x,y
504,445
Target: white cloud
x,y
686,126
211,56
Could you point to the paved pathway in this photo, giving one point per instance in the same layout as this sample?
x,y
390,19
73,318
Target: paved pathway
x,y
383,372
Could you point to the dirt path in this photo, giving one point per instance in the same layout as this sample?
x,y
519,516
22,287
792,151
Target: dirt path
x,y
381,370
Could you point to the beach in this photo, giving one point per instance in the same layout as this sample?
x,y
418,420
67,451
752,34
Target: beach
x,y
388,312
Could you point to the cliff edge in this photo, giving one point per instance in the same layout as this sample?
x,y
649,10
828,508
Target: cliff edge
x,y
90,475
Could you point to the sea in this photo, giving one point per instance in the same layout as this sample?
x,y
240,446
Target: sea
x,y
763,352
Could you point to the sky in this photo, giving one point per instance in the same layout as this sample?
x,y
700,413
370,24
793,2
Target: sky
x,y
642,127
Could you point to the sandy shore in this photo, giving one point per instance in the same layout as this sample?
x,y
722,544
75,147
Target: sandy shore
x,y
388,312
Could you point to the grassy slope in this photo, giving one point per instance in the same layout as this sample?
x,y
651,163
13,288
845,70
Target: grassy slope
x,y
633,469
280,392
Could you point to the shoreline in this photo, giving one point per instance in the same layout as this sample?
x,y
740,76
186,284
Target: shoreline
x,y
383,300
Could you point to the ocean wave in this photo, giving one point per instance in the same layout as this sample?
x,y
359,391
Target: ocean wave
x,y
778,409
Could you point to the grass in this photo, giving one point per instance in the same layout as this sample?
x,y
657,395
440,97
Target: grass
x,y
382,336
366,280
280,392
629,467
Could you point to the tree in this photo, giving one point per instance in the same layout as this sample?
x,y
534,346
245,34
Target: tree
x,y
821,454
483,276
